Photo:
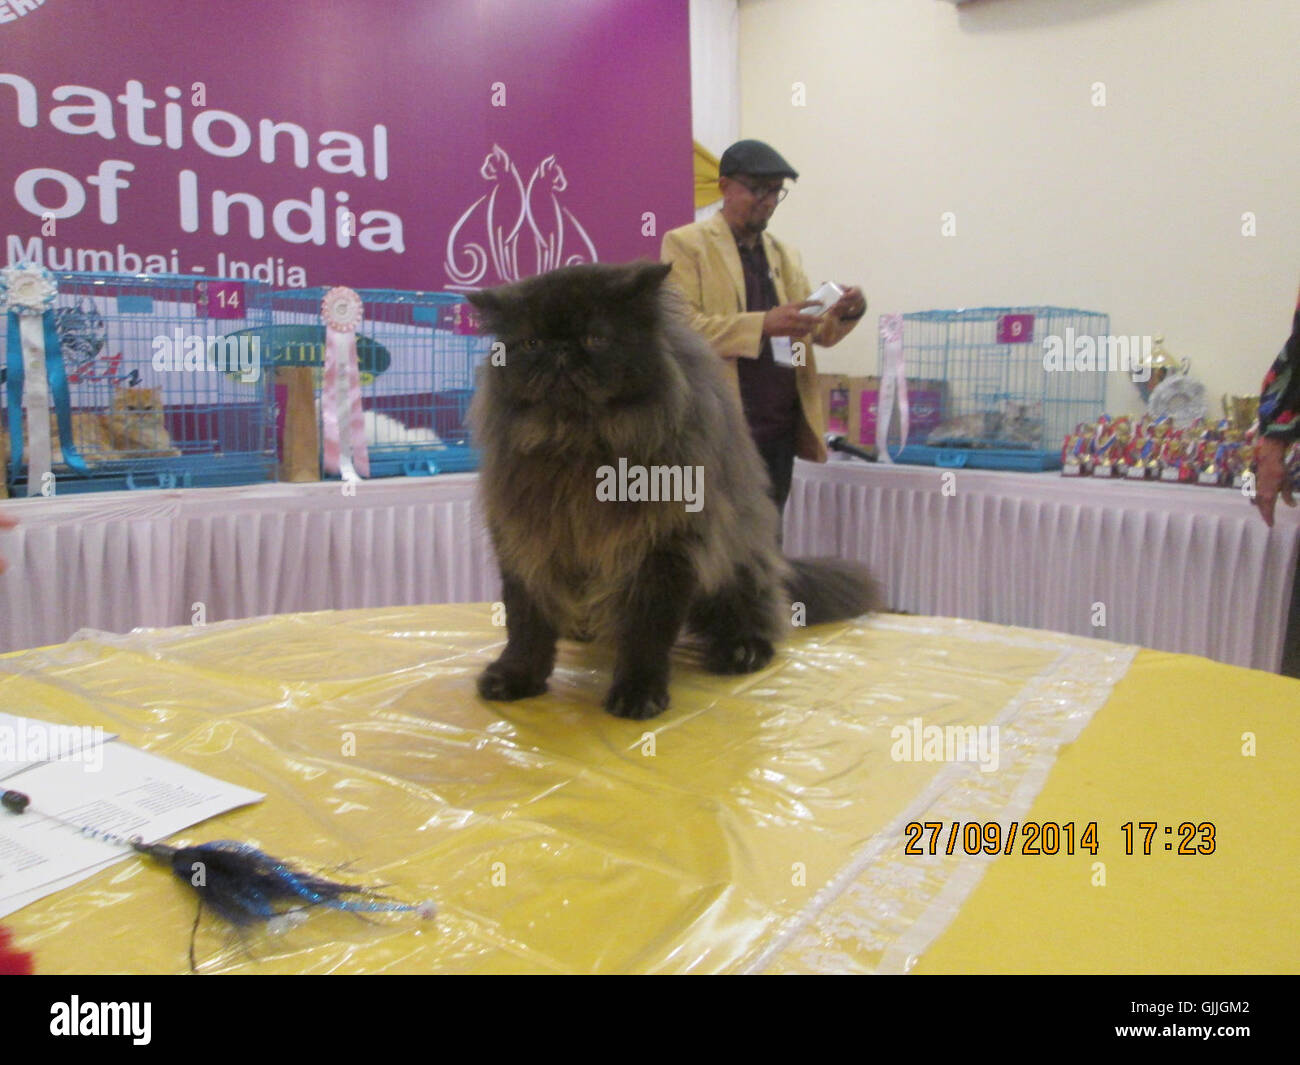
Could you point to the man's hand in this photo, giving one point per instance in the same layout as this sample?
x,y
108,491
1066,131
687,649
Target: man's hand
x,y
787,321
852,305
1270,477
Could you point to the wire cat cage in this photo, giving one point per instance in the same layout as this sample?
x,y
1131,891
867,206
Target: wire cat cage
x,y
417,353
997,395
165,388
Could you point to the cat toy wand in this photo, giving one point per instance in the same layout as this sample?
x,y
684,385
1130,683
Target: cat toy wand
x,y
241,883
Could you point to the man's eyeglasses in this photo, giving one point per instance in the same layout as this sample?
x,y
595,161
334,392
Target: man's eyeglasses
x,y
779,192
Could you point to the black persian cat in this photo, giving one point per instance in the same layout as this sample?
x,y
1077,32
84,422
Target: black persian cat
x,y
623,493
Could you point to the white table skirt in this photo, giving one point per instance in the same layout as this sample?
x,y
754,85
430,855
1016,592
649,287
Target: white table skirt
x,y
1173,567
120,560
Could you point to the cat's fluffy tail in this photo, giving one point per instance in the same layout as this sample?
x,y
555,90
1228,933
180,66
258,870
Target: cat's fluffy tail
x,y
833,590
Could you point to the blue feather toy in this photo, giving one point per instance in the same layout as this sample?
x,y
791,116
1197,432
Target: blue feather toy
x,y
242,884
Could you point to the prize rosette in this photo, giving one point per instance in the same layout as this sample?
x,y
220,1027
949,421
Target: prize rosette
x,y
342,418
27,289
34,373
893,382
342,310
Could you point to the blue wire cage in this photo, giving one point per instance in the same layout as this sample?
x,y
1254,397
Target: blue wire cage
x,y
987,397
417,353
163,391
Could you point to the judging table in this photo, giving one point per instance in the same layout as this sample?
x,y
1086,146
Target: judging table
x,y
759,825
1170,567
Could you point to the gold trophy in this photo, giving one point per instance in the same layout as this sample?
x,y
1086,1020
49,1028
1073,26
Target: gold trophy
x,y
1162,364
1241,411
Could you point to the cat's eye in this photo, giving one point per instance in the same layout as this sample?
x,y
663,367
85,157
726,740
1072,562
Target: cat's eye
x,y
593,342
530,344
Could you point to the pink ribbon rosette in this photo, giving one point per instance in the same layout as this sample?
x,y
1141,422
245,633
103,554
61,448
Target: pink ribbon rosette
x,y
341,414
893,382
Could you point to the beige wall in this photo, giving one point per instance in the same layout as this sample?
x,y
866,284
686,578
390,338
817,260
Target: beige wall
x,y
917,107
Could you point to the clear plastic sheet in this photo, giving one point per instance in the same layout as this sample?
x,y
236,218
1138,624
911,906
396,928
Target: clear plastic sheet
x,y
756,826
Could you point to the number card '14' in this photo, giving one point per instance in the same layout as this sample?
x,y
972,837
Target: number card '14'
x,y
219,299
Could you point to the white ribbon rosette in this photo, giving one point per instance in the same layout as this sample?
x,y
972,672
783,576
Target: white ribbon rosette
x,y
34,372
27,290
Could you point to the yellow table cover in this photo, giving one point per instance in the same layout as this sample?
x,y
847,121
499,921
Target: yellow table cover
x,y
758,826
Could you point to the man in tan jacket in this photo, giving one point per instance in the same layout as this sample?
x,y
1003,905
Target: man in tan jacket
x,y
747,293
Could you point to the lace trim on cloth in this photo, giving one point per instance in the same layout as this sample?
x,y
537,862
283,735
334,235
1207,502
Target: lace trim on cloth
x,y
886,907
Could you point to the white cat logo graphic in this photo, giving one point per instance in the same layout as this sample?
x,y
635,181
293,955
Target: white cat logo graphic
x,y
514,211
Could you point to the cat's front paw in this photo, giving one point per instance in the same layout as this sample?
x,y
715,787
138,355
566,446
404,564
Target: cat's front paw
x,y
636,701
739,656
502,685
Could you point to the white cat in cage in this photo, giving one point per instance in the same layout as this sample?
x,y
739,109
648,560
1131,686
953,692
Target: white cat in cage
x,y
382,430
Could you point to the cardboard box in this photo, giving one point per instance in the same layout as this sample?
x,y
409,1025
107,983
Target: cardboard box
x,y
841,405
299,435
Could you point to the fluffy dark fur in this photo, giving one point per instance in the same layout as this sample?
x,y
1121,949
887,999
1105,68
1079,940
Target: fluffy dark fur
x,y
599,365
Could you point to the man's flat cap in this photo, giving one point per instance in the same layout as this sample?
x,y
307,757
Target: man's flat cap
x,y
756,158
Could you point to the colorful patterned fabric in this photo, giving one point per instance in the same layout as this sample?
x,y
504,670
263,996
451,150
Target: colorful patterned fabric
x,y
1279,400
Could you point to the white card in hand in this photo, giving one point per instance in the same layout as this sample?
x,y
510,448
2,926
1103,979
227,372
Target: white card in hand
x,y
826,296
782,351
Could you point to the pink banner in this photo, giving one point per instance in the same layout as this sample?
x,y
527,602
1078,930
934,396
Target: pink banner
x,y
427,144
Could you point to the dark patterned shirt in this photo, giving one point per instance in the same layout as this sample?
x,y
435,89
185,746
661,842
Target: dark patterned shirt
x,y
768,391
1279,400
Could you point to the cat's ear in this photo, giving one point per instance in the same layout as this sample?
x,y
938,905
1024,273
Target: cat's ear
x,y
641,279
484,300
494,306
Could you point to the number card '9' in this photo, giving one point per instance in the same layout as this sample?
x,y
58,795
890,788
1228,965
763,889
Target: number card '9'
x,y
1016,329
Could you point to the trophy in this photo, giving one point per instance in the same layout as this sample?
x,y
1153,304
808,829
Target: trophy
x,y
1241,411
1162,364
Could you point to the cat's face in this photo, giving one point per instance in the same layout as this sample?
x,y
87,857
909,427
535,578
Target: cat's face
x,y
137,399
582,338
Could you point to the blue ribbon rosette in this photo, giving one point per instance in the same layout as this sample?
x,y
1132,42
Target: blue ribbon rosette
x,y
27,294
